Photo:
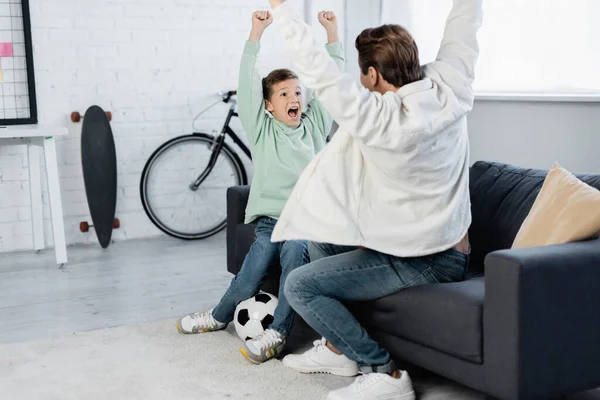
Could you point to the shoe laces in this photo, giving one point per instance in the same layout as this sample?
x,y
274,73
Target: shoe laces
x,y
267,339
366,380
318,346
204,319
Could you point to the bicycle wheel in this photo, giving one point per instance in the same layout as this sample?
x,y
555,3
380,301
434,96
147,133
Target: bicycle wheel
x,y
165,190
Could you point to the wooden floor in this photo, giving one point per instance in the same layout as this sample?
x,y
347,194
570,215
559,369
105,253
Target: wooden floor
x,y
130,282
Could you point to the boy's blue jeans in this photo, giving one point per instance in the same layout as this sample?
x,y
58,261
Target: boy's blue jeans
x,y
337,274
262,256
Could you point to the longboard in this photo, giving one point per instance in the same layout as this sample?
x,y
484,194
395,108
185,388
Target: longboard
x,y
99,164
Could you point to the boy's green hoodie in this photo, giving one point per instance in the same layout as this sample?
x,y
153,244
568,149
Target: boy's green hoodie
x,y
279,152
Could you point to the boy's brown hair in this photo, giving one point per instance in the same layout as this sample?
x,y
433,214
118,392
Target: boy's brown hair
x,y
276,76
392,51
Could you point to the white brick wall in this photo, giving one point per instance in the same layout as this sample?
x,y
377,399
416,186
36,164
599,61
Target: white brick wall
x,y
154,64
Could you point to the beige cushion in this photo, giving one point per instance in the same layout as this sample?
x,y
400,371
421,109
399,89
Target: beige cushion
x,y
565,210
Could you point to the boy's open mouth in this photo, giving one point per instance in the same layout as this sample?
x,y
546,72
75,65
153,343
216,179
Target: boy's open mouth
x,y
293,111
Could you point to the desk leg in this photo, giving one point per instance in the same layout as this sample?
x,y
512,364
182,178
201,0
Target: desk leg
x,y
35,191
58,225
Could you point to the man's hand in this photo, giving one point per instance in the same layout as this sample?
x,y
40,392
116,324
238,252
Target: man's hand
x,y
276,3
260,21
329,22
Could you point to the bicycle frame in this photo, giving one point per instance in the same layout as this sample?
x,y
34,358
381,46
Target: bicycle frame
x,y
218,145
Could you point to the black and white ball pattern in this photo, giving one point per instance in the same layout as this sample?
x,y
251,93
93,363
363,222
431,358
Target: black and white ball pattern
x,y
254,315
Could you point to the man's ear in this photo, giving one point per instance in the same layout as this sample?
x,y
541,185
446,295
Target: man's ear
x,y
373,76
268,106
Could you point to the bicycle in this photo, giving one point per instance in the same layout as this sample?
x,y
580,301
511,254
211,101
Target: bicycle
x,y
184,182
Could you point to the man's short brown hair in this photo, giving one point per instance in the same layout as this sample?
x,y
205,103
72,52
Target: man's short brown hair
x,y
392,51
276,76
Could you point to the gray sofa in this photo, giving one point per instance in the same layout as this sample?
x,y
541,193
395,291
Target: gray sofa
x,y
525,324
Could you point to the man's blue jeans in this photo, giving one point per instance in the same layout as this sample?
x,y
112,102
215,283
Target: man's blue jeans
x,y
262,256
337,274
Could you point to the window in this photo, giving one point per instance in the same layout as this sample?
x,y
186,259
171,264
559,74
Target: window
x,y
526,46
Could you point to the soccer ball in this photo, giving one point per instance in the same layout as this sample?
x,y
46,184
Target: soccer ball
x,y
254,315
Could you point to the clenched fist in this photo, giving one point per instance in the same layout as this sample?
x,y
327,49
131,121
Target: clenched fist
x,y
260,21
329,22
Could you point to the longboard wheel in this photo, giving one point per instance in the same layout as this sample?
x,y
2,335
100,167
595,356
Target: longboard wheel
x,y
75,116
116,223
109,115
84,227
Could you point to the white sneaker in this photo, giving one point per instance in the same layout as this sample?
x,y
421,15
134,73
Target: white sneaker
x,y
199,322
320,359
376,386
267,345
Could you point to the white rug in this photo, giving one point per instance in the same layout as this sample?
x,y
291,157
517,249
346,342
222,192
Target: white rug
x,y
152,361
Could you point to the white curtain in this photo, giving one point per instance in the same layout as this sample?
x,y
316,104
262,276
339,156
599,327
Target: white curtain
x,y
527,46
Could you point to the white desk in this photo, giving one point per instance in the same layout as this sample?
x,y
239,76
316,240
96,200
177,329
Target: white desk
x,y
37,137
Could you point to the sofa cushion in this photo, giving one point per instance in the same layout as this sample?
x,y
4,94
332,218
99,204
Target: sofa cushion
x,y
501,197
566,210
446,317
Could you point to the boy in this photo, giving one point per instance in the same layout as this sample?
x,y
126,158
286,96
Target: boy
x,y
390,191
282,145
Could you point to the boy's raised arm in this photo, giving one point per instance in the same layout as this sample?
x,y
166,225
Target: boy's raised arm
x,y
459,46
334,47
251,105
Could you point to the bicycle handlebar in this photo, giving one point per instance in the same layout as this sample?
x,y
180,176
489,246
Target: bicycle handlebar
x,y
226,95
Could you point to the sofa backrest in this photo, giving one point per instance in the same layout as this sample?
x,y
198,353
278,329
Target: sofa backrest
x,y
501,197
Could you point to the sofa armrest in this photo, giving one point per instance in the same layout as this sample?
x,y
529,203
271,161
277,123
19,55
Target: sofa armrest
x,y
237,200
542,320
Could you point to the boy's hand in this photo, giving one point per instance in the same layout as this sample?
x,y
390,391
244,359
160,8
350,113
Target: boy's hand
x,y
260,21
329,22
